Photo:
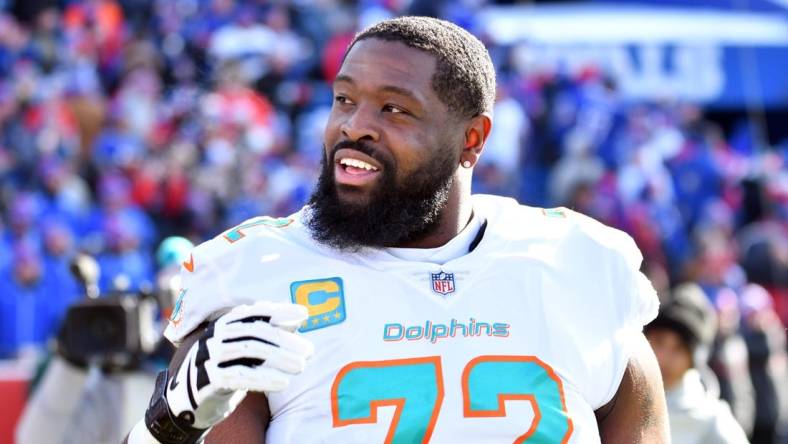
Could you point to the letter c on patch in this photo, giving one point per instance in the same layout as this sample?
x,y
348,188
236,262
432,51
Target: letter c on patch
x,y
319,296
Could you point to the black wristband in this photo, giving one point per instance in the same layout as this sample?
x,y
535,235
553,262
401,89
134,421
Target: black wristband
x,y
163,425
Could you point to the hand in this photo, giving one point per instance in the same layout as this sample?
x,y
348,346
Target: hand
x,y
252,347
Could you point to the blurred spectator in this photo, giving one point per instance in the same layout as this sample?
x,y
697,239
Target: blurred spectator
x,y
124,264
764,239
730,361
765,338
67,195
77,404
27,308
681,336
23,216
504,146
115,195
58,251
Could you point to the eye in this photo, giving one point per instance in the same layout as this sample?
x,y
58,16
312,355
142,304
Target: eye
x,y
393,109
342,99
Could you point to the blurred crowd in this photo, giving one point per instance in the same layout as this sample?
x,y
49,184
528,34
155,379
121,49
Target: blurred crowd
x,y
124,122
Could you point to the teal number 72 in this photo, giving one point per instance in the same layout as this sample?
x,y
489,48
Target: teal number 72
x,y
415,387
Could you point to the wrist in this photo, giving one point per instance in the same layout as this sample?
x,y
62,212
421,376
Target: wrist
x,y
163,425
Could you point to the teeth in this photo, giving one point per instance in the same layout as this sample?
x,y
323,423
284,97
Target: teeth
x,y
357,164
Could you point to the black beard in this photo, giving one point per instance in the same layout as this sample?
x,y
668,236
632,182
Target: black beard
x,y
397,212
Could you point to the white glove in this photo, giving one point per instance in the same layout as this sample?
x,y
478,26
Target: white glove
x,y
252,347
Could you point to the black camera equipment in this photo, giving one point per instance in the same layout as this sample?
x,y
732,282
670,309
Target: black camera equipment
x,y
116,331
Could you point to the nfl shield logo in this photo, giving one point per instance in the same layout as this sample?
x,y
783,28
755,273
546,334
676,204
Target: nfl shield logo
x,y
442,283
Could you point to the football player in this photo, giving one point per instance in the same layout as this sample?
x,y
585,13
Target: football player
x,y
396,307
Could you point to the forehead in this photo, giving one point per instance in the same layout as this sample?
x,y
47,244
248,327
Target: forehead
x,y
665,335
378,63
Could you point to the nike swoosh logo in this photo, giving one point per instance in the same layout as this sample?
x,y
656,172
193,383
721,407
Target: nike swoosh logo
x,y
189,265
175,383
189,387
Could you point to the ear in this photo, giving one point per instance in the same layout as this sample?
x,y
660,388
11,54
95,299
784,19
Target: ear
x,y
476,134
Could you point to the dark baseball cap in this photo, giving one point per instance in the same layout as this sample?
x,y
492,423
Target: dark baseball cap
x,y
688,312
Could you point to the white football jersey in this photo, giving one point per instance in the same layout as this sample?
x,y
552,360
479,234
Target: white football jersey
x,y
520,340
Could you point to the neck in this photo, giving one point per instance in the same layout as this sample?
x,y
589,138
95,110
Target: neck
x,y
455,217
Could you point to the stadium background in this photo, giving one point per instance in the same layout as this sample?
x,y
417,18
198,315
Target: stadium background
x,y
124,122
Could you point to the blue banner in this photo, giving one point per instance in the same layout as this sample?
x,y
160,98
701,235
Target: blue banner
x,y
718,59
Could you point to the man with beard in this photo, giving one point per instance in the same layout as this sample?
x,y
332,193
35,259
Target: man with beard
x,y
427,314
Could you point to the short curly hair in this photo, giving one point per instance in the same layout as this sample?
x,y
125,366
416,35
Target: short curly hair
x,y
464,76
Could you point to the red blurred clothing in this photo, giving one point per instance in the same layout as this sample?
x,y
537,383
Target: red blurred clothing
x,y
332,55
240,106
105,18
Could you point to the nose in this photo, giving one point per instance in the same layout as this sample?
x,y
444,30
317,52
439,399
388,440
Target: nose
x,y
360,125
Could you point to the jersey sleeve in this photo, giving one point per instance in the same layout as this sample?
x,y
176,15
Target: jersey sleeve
x,y
201,296
638,305
227,271
602,302
642,299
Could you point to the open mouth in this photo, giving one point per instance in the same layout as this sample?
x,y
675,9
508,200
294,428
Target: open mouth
x,y
355,168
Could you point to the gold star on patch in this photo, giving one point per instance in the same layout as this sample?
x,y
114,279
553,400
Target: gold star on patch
x,y
326,318
337,315
315,321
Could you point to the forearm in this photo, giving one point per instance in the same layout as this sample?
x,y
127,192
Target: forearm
x,y
246,425
638,413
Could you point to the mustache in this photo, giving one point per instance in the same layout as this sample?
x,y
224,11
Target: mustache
x,y
362,147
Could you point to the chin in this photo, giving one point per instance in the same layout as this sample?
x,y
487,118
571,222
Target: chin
x,y
353,195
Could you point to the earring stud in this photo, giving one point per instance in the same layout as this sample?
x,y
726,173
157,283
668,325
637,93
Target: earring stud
x,y
466,163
